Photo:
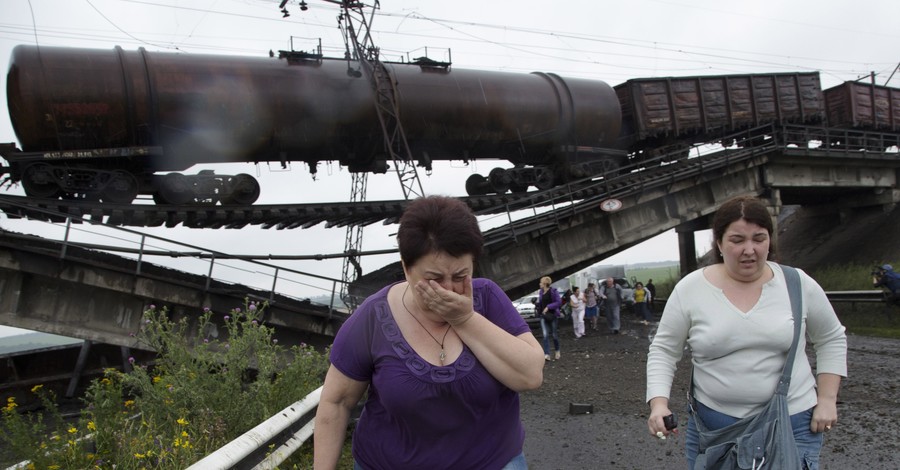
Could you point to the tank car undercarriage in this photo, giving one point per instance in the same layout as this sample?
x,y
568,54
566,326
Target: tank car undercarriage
x,y
50,181
520,177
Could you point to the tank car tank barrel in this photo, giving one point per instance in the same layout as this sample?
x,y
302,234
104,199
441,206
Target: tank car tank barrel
x,y
211,109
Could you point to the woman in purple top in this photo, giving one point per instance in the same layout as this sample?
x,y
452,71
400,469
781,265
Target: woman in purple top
x,y
443,357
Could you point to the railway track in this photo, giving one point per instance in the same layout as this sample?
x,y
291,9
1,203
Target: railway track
x,y
582,194
341,214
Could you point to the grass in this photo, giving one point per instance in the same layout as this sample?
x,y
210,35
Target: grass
x,y
664,277
209,384
867,319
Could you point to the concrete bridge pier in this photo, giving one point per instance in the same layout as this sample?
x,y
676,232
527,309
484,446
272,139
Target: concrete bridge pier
x,y
687,245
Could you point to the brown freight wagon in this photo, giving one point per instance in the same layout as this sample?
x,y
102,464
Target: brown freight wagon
x,y
866,106
687,110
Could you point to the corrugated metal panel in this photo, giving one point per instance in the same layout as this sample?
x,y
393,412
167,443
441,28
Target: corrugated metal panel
x,y
863,105
680,106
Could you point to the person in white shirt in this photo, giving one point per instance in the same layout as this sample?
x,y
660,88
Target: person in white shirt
x,y
736,318
576,301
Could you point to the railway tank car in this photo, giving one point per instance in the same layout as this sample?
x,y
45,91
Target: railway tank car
x,y
110,125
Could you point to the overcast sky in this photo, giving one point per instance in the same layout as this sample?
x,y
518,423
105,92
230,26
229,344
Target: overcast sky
x,y
604,40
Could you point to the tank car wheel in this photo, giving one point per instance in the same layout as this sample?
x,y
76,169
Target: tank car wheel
x,y
477,185
500,180
122,188
544,178
609,167
174,188
38,181
518,188
241,189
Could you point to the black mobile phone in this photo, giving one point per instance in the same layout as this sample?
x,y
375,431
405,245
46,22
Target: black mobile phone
x,y
670,422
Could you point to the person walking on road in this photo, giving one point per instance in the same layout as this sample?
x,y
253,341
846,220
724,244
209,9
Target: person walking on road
x,y
642,303
612,295
576,300
735,317
438,358
652,288
547,307
592,306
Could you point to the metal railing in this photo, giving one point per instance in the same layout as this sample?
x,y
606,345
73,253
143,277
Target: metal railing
x,y
666,168
247,269
283,433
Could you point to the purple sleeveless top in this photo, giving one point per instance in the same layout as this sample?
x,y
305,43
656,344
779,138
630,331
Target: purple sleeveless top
x,y
421,416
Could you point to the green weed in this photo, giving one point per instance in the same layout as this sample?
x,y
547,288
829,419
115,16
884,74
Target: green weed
x,y
208,385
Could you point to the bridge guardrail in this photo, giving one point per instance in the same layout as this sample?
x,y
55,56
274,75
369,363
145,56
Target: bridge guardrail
x,y
250,269
285,432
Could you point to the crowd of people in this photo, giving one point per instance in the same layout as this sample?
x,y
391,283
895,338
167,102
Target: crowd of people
x,y
438,359
585,308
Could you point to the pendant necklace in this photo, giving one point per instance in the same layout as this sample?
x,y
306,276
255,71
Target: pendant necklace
x,y
439,343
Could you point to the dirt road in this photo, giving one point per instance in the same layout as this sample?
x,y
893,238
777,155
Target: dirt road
x,y
609,372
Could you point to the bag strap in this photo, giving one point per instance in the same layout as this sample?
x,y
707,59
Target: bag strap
x,y
792,280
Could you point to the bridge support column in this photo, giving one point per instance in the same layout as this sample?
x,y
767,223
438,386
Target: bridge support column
x,y
687,252
775,206
687,246
79,368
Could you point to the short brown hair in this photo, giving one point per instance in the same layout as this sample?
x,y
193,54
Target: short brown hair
x,y
749,208
438,223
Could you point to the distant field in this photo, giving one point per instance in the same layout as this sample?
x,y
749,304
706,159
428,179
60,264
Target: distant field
x,y
664,277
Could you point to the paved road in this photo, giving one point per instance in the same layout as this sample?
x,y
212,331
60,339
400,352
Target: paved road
x,y
608,372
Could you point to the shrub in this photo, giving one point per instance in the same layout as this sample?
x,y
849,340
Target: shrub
x,y
203,390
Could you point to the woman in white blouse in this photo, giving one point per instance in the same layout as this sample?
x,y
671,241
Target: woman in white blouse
x,y
736,317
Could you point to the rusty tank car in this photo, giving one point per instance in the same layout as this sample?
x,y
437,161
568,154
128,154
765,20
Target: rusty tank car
x,y
110,125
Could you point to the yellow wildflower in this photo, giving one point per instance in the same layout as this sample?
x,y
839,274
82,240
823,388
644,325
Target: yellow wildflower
x,y
10,404
182,421
53,467
184,434
105,381
129,403
140,456
91,426
73,430
36,388
157,379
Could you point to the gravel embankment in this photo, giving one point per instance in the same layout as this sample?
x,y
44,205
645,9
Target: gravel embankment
x,y
608,372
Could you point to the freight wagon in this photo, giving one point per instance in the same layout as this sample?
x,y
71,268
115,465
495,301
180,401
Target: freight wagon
x,y
858,105
681,111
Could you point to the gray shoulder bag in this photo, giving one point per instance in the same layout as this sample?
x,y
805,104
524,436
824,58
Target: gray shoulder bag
x,y
763,441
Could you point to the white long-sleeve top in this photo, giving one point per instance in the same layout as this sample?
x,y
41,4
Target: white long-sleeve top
x,y
577,302
738,357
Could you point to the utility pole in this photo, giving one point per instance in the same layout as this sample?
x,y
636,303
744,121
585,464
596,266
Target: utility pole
x,y
361,49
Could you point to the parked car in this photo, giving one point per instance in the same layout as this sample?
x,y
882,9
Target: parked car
x,y
525,306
